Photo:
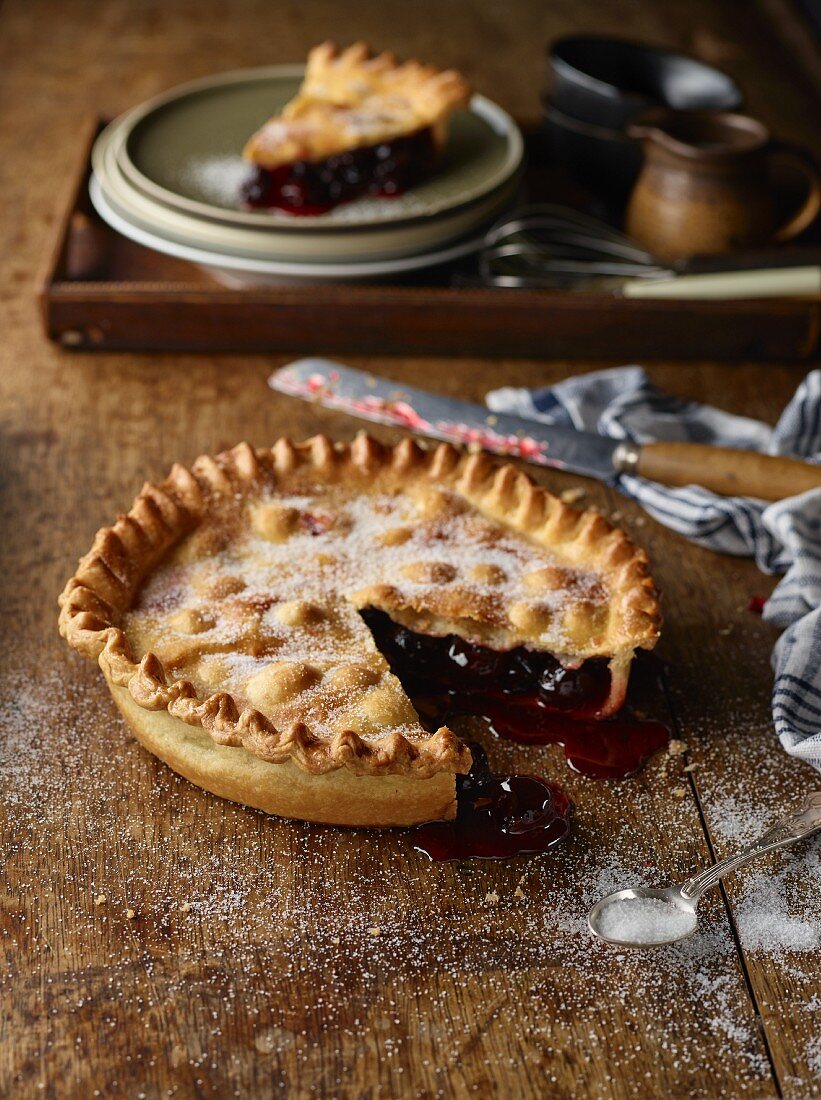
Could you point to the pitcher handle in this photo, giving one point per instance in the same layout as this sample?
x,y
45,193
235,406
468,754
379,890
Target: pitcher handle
x,y
811,206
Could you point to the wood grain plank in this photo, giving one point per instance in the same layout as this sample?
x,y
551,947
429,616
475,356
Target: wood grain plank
x,y
251,966
338,962
520,1020
744,781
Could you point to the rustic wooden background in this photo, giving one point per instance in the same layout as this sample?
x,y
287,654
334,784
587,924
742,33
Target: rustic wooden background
x,y
159,942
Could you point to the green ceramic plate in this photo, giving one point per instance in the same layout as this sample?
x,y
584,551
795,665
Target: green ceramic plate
x,y
183,149
373,242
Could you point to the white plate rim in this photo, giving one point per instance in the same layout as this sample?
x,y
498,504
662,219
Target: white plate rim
x,y
205,258
144,212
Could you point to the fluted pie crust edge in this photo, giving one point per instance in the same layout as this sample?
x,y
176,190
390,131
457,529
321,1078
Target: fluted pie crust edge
x,y
187,730
340,797
409,96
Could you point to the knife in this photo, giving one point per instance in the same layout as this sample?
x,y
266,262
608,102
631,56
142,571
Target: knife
x,y
724,470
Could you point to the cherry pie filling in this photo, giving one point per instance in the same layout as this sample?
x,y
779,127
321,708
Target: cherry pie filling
x,y
528,697
308,187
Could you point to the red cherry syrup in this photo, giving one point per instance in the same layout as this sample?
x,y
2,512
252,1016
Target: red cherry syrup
x,y
498,817
529,698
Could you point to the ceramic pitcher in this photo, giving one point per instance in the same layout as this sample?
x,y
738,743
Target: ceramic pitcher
x,y
708,184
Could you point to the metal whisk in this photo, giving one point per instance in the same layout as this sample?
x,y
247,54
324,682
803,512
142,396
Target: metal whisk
x,y
547,245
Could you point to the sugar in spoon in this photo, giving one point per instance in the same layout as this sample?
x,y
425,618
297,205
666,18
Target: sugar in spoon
x,y
644,917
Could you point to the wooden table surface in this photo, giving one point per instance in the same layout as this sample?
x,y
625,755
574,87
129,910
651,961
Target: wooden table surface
x,y
160,942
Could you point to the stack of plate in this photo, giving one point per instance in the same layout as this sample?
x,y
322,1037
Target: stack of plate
x,y
168,176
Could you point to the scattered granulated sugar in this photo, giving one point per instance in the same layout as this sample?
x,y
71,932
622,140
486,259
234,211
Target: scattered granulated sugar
x,y
270,924
778,907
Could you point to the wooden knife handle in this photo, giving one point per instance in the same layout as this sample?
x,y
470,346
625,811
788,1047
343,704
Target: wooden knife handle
x,y
727,471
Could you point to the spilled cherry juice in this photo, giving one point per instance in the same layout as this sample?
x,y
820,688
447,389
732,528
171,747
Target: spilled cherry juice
x,y
498,817
526,697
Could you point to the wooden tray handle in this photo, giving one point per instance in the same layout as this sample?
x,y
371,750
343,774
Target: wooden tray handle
x,y
727,471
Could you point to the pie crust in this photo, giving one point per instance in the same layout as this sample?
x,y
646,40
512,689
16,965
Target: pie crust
x,y
223,611
350,100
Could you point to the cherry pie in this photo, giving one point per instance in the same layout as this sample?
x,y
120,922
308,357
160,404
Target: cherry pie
x,y
247,614
359,125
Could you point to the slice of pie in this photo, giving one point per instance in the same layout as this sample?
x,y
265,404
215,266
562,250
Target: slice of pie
x,y
229,612
359,125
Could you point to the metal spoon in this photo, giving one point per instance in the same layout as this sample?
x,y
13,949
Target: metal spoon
x,y
800,823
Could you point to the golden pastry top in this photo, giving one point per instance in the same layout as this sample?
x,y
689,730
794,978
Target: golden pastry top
x,y
350,99
230,593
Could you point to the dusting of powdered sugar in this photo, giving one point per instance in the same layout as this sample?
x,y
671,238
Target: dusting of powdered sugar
x,y
217,180
338,549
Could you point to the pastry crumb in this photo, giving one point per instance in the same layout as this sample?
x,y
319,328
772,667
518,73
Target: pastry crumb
x,y
130,914
689,767
677,748
491,419
101,899
572,496
679,793
375,931
186,907
519,892
491,898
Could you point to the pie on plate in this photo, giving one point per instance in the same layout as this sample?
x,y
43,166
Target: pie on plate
x,y
228,611
359,125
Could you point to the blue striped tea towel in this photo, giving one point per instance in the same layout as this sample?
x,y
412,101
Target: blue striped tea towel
x,y
783,537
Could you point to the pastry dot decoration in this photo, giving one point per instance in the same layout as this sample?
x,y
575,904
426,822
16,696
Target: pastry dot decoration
x,y
226,613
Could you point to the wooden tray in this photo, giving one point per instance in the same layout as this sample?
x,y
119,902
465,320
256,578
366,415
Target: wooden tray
x,y
100,290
